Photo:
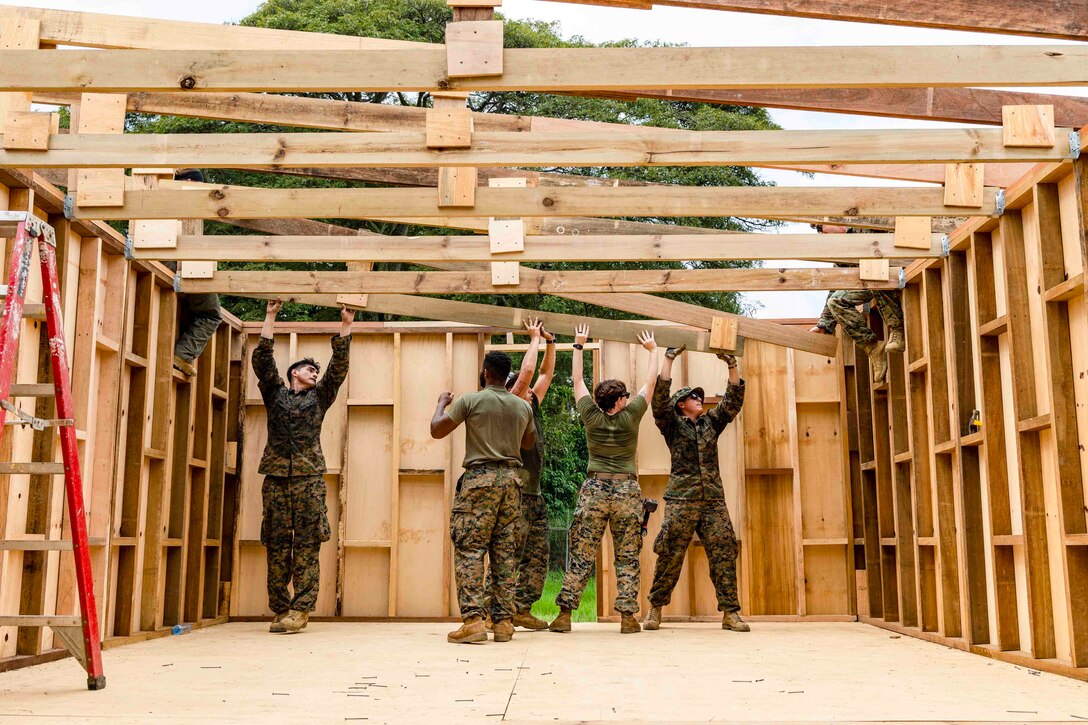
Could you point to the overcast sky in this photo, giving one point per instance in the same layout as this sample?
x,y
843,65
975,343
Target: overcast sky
x,y
701,28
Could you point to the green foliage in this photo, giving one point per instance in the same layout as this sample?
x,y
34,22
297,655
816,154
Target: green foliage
x,y
424,21
546,609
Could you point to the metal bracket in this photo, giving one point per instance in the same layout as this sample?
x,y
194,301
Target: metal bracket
x,y
902,278
946,245
128,247
1000,201
32,421
177,282
1074,145
69,206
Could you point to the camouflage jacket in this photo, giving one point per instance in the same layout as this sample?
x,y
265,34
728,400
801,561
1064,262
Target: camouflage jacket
x,y
695,473
294,419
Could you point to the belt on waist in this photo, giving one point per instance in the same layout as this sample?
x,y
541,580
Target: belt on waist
x,y
613,476
494,464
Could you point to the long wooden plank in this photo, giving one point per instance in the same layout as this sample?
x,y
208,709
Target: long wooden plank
x,y
544,248
471,282
964,105
755,202
511,318
547,69
558,148
352,116
1041,18
648,306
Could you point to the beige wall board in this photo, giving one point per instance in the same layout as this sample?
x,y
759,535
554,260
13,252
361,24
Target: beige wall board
x,y
370,376
770,540
766,433
366,583
326,597
963,184
369,468
815,377
474,48
422,531
250,596
819,446
826,580
421,382
1031,126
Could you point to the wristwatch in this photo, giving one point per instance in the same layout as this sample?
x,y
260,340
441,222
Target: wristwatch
x,y
578,346
550,342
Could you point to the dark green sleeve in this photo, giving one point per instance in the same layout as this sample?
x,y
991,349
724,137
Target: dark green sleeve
x,y
664,415
337,372
264,366
728,408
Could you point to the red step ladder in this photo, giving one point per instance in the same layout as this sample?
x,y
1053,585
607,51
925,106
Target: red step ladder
x,y
78,634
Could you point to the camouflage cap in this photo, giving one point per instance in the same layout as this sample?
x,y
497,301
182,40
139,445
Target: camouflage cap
x,y
684,393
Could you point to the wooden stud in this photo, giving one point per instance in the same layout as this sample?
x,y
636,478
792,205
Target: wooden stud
x,y
963,185
913,232
1028,126
30,131
449,128
723,334
457,186
474,48
875,270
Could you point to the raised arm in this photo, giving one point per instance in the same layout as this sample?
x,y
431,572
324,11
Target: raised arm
x,y
661,403
264,364
646,339
528,363
547,369
729,407
337,372
581,336
670,355
441,424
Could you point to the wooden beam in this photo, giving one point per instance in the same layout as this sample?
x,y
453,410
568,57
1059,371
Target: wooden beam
x,y
454,144
547,69
1040,18
471,282
566,248
649,306
511,318
754,202
350,116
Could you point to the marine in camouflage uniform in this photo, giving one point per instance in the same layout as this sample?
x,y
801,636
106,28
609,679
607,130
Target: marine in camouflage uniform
x,y
533,563
694,497
295,519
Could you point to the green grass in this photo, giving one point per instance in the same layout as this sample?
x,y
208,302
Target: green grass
x,y
545,608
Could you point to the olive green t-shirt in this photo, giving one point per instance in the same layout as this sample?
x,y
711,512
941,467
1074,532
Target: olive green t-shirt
x,y
533,458
612,439
495,422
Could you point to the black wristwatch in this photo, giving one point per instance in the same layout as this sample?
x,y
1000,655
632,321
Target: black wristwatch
x,y
550,342
578,346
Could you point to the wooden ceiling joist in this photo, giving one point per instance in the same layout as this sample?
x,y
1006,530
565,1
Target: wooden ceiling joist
x,y
664,201
648,306
546,69
1039,18
962,105
467,282
569,248
566,149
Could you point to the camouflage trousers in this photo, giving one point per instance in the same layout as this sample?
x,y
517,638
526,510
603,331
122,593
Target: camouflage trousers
x,y
616,504
295,522
842,309
485,522
200,319
533,567
710,520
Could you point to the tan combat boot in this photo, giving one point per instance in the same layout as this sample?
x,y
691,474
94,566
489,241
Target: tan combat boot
x,y
732,621
653,619
526,620
562,622
473,630
878,359
504,630
295,621
277,623
895,342
628,624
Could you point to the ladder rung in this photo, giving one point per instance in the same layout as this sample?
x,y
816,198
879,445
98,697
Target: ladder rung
x,y
32,390
42,423
33,468
39,620
34,311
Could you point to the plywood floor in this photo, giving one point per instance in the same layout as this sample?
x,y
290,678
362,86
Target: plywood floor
x,y
401,673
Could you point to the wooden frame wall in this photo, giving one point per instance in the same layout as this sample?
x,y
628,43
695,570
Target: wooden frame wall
x,y
159,489
978,539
